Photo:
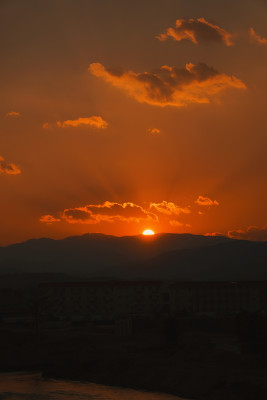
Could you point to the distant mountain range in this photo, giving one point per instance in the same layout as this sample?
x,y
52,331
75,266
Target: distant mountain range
x,y
163,256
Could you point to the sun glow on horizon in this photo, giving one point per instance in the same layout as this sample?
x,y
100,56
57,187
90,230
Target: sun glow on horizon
x,y
148,232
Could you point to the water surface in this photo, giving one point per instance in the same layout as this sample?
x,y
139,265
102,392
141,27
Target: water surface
x,y
24,386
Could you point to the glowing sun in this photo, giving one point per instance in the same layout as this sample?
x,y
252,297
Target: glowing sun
x,y
148,232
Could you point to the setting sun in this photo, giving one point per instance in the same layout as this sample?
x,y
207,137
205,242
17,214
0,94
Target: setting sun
x,y
148,232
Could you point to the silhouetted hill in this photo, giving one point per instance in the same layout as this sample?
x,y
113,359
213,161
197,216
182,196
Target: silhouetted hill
x,y
163,256
233,260
95,254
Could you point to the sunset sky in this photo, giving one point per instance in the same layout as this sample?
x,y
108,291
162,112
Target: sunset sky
x,y
119,116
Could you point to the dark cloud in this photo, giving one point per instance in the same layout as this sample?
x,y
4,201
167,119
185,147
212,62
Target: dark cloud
x,y
196,30
78,215
170,86
251,233
8,168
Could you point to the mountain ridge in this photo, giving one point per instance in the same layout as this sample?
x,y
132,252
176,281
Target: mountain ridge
x,y
165,255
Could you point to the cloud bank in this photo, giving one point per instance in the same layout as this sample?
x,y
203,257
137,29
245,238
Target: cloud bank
x,y
170,86
108,212
196,30
112,212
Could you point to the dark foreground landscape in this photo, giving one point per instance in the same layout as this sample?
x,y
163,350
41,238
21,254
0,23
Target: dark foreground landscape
x,y
197,333
202,358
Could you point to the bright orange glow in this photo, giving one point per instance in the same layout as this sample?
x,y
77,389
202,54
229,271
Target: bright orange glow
x,y
135,143
148,232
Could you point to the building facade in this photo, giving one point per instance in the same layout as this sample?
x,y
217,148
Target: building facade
x,y
108,300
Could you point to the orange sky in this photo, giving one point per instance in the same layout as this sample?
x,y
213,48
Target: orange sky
x,y
119,116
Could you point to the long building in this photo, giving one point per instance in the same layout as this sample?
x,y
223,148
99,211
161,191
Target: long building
x,y
220,297
112,299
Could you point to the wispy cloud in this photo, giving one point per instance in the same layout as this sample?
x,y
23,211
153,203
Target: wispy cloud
x,y
175,223
170,86
257,38
206,201
155,131
13,114
47,125
254,233
49,219
196,30
8,168
168,208
93,122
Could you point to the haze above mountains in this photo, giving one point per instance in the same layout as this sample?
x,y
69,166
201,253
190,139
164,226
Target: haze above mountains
x,y
163,256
